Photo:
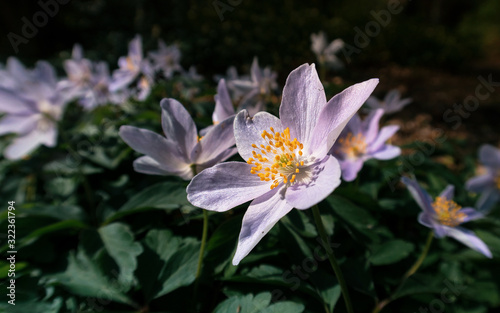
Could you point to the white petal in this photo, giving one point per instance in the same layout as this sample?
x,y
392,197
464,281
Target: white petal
x,y
262,214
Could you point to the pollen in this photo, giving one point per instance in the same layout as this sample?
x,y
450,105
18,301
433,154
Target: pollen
x,y
448,212
353,146
279,159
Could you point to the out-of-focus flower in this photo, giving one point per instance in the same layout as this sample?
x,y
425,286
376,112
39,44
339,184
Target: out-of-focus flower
x,y
361,141
89,81
133,68
223,106
444,216
489,183
325,53
392,102
182,152
252,92
166,59
32,104
287,162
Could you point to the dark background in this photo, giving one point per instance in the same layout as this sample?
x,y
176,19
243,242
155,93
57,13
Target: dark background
x,y
433,51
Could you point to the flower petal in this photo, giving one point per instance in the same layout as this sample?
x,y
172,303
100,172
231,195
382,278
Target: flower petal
x,y
448,192
387,153
248,130
262,214
422,198
303,99
480,183
370,125
384,134
224,155
337,113
471,214
487,199
178,125
350,169
490,156
159,148
469,239
326,177
148,165
11,102
22,146
225,186
223,104
219,138
18,124
425,219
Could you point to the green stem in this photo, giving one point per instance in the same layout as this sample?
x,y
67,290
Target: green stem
x,y
203,243
380,305
202,252
331,257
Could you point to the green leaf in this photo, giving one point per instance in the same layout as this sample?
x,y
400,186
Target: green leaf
x,y
166,195
83,277
60,212
180,269
119,242
180,256
391,252
257,304
33,307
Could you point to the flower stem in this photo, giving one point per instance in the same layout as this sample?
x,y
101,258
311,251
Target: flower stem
x,y
202,252
331,258
203,243
380,305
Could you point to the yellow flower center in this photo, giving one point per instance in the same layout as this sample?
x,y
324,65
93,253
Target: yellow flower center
x,y
130,65
353,146
497,181
447,212
278,161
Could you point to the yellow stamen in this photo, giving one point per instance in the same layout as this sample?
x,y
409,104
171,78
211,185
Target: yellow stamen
x,y
447,212
353,146
280,158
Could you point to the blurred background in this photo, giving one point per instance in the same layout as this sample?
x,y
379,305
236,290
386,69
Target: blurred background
x,y
432,51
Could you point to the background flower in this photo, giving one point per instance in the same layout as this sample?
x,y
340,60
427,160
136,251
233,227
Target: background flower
x,y
361,141
488,185
392,102
182,152
444,216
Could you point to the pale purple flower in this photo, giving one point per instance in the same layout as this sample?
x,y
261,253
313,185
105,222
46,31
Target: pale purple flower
x,y
444,216
287,162
133,68
392,102
223,106
251,93
166,59
487,184
361,141
325,53
181,152
32,104
89,81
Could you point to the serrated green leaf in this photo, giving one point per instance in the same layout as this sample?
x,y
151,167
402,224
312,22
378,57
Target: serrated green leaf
x,y
257,304
119,242
83,277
